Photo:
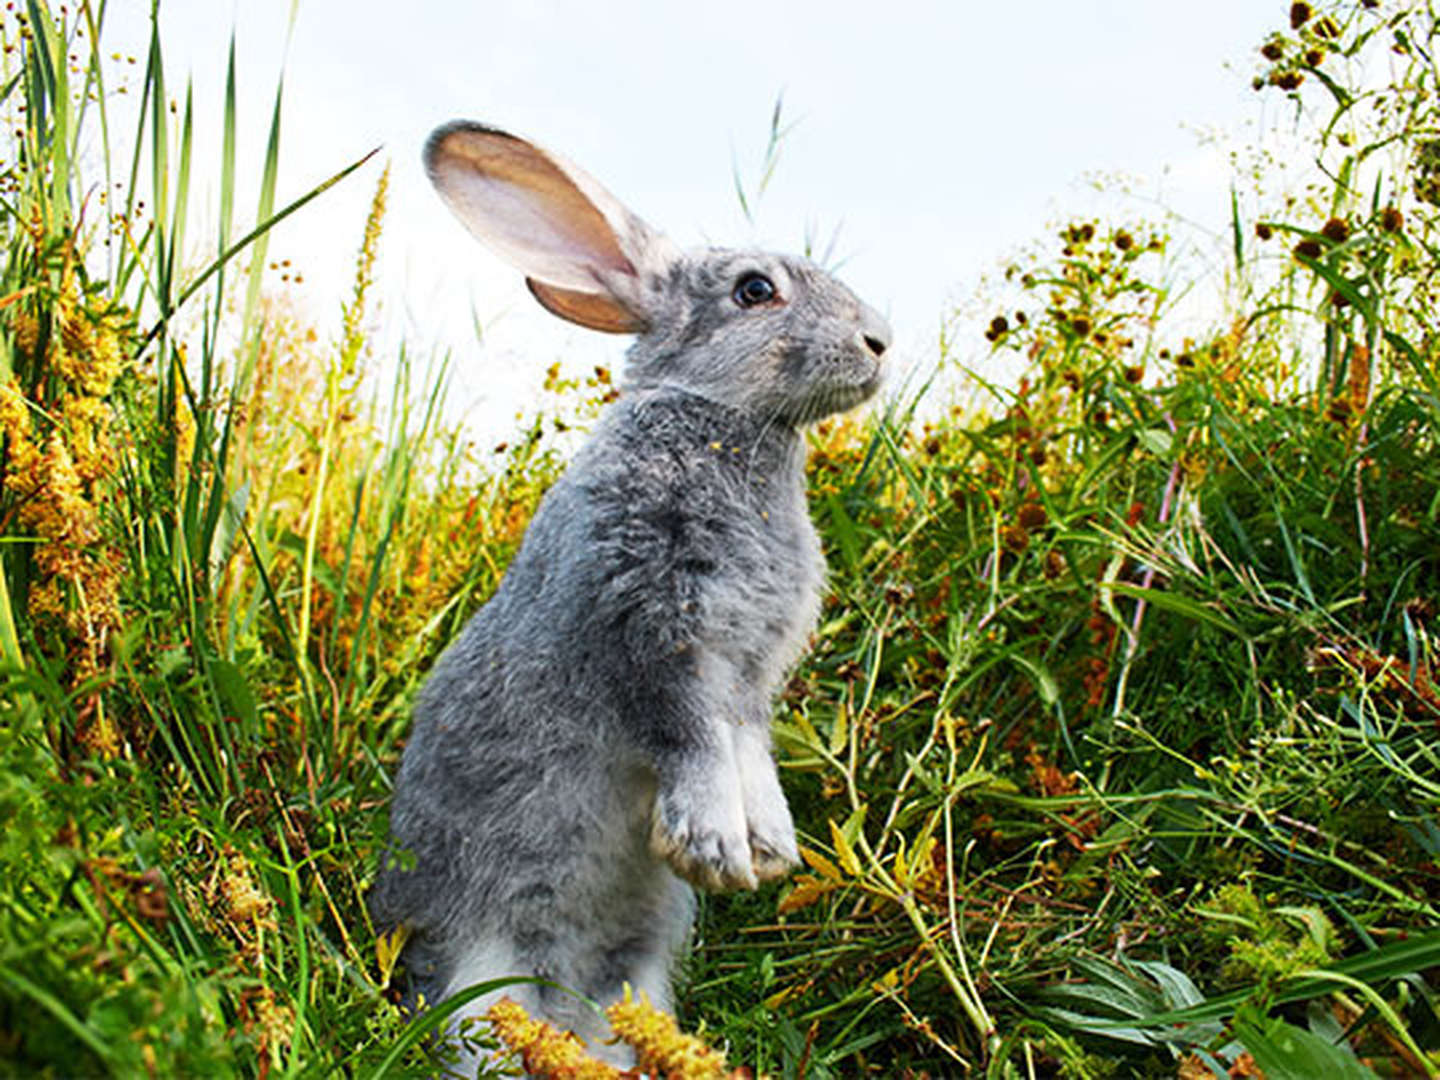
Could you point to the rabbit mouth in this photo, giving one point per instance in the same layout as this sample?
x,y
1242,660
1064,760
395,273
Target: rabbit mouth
x,y
839,398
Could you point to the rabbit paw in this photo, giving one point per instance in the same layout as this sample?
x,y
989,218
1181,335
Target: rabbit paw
x,y
773,852
701,833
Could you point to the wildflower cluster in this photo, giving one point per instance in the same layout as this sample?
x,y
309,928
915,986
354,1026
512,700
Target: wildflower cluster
x,y
544,1050
1291,57
239,908
1098,308
67,352
1369,247
661,1048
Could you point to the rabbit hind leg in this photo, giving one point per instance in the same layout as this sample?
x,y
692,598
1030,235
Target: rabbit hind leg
x,y
483,961
557,999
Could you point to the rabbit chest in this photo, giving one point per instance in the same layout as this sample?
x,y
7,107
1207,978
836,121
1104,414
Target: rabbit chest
x,y
706,508
760,604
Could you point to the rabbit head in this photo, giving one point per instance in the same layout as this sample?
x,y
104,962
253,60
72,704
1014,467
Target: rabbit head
x,y
770,334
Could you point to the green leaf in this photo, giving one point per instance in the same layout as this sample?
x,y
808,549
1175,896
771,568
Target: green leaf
x,y
1286,1052
844,531
236,697
1157,441
1040,677
1180,605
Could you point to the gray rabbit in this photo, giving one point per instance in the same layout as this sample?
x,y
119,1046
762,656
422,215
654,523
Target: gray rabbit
x,y
598,736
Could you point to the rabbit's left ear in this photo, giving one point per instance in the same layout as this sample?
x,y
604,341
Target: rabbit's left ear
x,y
584,255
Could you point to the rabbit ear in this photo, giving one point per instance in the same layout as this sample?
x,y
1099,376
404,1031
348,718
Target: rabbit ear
x,y
595,311
581,251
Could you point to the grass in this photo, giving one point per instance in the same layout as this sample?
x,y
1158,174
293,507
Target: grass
x,y
1115,754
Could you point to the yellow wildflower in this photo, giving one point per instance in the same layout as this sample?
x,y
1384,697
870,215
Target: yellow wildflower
x,y
86,420
246,903
545,1051
660,1045
276,1022
23,475
47,600
26,330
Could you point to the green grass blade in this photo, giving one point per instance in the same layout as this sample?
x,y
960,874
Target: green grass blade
x,y
256,234
265,211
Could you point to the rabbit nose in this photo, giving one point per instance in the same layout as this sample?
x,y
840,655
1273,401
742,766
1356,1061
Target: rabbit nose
x,y
874,335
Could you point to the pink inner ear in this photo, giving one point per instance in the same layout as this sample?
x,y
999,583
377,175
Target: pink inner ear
x,y
515,198
595,311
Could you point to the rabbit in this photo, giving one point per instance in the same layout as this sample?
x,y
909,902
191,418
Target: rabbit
x,y
596,740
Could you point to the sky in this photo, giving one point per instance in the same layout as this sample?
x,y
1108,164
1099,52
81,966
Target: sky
x,y
927,142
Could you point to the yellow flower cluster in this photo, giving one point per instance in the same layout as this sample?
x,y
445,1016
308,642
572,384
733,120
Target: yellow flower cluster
x,y
661,1048
660,1045
58,460
352,338
545,1051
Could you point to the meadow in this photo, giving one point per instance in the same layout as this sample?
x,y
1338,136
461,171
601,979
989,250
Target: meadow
x,y
1116,753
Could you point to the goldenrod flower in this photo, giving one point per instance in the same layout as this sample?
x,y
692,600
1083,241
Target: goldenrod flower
x,y
25,329
660,1045
59,462
23,475
545,1051
86,419
47,600
245,902
275,1022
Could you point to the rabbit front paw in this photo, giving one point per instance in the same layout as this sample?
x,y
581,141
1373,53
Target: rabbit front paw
x,y
773,852
701,833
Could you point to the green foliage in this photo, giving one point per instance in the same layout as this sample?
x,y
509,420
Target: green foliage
x,y
1266,945
1286,1052
1115,754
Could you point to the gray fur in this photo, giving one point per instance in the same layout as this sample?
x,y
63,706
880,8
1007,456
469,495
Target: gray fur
x,y
599,734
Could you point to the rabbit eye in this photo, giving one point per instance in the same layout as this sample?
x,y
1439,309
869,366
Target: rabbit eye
x,y
753,289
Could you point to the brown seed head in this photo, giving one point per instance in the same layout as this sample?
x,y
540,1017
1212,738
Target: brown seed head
x,y
1032,516
1015,538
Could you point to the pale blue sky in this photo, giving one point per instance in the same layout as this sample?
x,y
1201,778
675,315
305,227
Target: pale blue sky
x,y
937,137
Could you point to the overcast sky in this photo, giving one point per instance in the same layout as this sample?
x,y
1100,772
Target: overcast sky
x,y
937,138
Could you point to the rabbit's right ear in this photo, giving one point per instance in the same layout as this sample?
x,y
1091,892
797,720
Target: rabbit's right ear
x,y
583,254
